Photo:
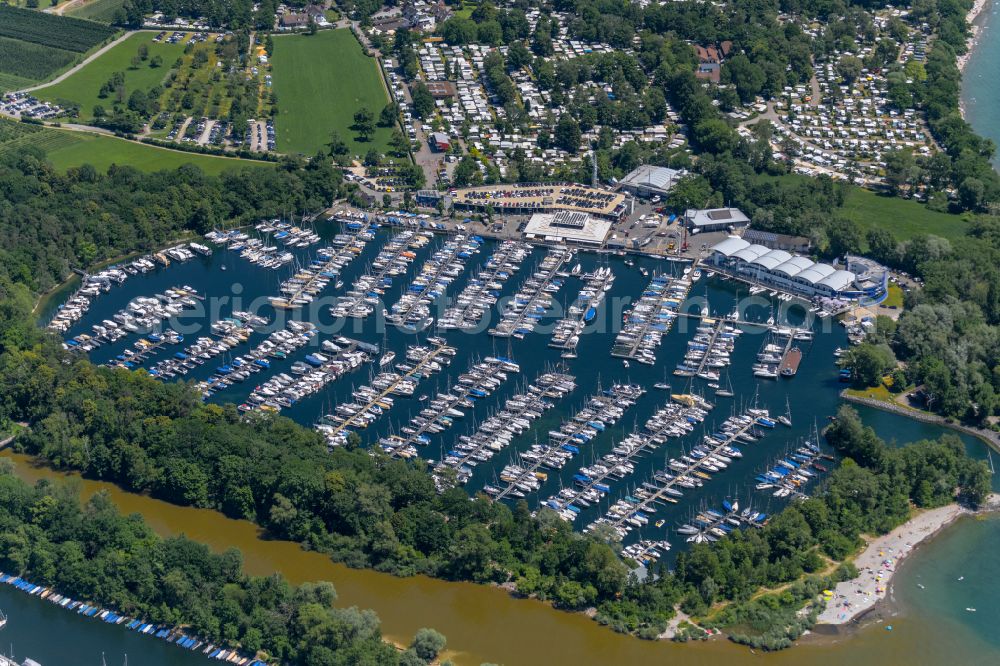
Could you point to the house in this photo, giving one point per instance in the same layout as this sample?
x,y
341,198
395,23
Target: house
x,y
709,62
715,219
440,141
293,21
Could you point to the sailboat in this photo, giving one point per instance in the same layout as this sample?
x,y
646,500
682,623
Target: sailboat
x,y
786,418
576,270
728,391
387,359
664,385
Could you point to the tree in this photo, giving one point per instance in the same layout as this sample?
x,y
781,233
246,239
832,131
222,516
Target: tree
x,y
428,643
850,68
156,61
869,363
567,134
389,114
423,101
336,144
364,123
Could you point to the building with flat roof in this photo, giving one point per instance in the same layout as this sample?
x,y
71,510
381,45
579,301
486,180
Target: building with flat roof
x,y
715,219
778,241
568,227
792,273
530,198
651,181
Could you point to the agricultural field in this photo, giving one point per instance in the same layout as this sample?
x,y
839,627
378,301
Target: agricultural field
x,y
66,149
32,62
320,81
84,86
102,11
35,46
60,32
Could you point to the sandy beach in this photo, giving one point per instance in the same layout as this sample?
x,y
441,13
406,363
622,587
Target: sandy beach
x,y
970,18
878,563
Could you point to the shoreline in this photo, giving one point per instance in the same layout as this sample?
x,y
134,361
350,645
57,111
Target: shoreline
x,y
978,7
853,600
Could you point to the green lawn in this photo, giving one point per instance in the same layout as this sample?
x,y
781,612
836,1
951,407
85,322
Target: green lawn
x,y
66,148
103,151
102,11
320,81
83,86
904,218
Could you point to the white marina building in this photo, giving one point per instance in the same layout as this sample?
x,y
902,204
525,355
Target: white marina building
x,y
794,273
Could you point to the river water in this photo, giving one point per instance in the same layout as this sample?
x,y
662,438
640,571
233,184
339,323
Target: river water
x,y
484,624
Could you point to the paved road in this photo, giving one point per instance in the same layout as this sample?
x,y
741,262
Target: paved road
x,y
69,72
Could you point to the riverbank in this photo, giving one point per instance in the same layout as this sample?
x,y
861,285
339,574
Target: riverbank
x,y
880,560
978,7
988,437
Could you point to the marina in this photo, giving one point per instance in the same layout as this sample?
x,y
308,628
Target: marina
x,y
238,349
566,335
645,324
412,311
534,298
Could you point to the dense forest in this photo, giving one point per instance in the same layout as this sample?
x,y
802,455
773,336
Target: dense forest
x,y
53,222
92,552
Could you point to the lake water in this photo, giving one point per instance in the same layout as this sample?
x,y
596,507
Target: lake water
x,y
811,395
980,87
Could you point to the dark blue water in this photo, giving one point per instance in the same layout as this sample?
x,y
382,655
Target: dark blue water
x,y
811,395
53,636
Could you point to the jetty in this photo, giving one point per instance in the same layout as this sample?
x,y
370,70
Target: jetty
x,y
599,412
483,290
529,304
478,382
375,399
650,318
711,456
566,334
303,287
675,419
497,431
412,311
394,259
